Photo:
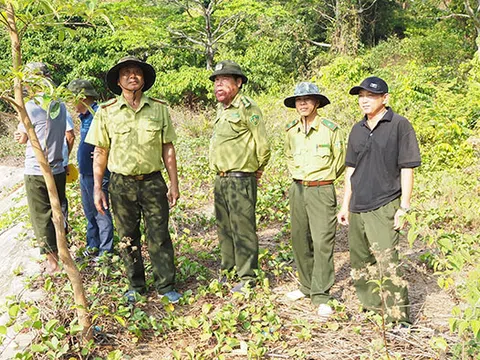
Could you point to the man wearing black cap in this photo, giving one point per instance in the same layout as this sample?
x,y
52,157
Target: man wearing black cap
x,y
382,152
315,154
239,152
135,133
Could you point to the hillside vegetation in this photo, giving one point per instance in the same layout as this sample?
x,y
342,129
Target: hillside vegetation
x,y
427,53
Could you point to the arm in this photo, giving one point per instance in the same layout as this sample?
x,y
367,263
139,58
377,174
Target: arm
x,y
100,157
342,215
338,149
170,161
70,136
406,181
256,126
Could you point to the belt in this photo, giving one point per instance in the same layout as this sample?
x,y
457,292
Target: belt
x,y
143,176
314,182
237,174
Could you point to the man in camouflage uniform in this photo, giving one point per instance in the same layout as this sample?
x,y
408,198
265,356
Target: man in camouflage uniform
x,y
315,154
239,152
136,134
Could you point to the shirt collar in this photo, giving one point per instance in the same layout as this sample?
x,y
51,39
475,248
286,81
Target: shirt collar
x,y
94,107
315,124
388,116
236,100
144,100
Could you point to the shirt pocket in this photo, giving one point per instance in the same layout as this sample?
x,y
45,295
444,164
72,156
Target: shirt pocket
x,y
322,150
121,135
321,156
229,127
151,133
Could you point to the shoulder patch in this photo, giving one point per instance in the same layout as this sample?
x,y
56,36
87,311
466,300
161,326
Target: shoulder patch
x,y
291,125
159,101
108,103
330,124
245,101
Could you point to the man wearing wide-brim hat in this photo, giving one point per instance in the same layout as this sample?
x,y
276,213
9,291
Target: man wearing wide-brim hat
x,y
239,152
315,154
99,226
135,133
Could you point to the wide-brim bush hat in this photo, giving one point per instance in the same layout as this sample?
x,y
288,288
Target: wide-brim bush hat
x,y
149,74
85,87
228,67
372,84
306,89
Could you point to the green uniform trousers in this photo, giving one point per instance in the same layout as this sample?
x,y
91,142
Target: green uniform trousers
x,y
41,210
375,229
131,199
313,222
235,201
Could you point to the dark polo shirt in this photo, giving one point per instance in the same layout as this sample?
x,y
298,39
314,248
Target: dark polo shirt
x,y
378,156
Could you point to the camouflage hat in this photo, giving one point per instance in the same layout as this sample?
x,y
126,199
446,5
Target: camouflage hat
x,y
228,67
306,89
149,74
38,68
82,86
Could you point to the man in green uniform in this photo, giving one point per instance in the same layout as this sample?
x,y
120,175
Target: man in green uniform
x,y
382,152
135,133
315,154
239,152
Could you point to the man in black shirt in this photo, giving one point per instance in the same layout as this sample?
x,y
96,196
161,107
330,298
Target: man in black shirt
x,y
381,155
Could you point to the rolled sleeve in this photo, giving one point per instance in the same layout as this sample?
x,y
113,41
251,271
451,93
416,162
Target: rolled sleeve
x,y
98,133
168,132
256,125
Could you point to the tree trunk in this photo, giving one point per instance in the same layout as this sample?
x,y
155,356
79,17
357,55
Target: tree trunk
x,y
58,220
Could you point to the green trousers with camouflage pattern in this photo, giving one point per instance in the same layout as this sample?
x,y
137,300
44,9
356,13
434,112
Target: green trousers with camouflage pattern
x,y
313,222
130,200
373,241
235,201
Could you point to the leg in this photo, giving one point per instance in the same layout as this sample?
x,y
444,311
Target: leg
x,y
86,188
301,238
321,204
126,208
105,224
224,230
154,203
242,199
384,240
360,258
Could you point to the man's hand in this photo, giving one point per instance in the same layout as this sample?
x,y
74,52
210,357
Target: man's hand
x,y
398,221
258,174
100,200
172,195
20,137
342,216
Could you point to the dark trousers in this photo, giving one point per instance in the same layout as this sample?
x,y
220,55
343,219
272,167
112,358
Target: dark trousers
x,y
313,221
235,201
374,230
130,200
99,227
41,210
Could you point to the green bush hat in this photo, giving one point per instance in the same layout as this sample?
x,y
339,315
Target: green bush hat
x,y
149,74
228,67
306,89
38,68
85,87
372,84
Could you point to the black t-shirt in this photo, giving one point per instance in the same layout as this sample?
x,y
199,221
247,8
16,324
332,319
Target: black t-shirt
x,y
378,156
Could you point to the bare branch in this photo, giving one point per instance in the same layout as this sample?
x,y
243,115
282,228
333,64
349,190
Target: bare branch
x,y
316,43
11,101
225,21
452,16
362,9
183,35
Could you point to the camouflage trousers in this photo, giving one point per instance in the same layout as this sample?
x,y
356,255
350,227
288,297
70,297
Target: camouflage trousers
x,y
313,221
235,201
374,230
41,210
131,199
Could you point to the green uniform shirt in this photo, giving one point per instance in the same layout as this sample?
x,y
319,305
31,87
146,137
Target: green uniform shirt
x,y
239,141
318,155
134,137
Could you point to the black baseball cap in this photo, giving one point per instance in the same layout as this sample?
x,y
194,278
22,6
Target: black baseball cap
x,y
372,84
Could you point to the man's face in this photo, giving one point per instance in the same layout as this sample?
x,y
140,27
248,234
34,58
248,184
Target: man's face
x,y
226,88
370,103
80,106
130,78
306,105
